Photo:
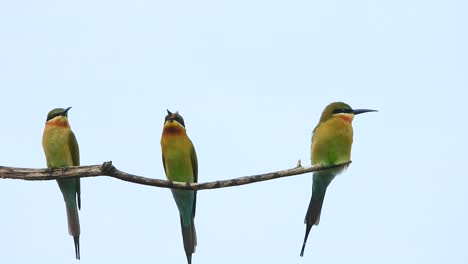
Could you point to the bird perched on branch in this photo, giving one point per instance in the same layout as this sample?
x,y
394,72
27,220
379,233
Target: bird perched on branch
x,y
180,164
61,150
331,144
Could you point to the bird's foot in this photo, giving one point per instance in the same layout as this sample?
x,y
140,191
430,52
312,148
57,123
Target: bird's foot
x,y
64,169
50,171
170,184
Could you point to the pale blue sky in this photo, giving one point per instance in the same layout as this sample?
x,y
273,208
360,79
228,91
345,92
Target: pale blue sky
x,y
251,79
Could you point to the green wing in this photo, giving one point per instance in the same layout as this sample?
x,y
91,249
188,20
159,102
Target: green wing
x,y
194,164
75,153
164,163
195,175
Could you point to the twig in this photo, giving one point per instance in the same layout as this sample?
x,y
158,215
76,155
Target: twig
x,y
107,169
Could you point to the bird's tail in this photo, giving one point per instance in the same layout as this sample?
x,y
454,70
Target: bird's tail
x,y
313,215
71,195
319,188
190,239
74,228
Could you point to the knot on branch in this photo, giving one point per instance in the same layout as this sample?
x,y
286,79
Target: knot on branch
x,y
107,168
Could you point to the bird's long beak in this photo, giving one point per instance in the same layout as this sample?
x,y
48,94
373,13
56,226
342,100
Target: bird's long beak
x,y
66,110
360,111
171,116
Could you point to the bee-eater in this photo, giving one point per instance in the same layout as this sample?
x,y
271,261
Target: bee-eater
x,y
180,164
61,150
331,144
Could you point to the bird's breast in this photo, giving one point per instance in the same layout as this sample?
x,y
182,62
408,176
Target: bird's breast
x,y
55,143
176,151
331,142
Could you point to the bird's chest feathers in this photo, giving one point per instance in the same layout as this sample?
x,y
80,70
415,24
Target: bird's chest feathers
x,y
332,141
177,158
56,146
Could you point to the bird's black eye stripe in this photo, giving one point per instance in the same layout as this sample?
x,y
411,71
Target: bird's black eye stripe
x,y
49,117
179,119
343,111
176,117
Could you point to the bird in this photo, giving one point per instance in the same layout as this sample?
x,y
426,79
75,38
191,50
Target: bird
x,y
61,150
331,144
180,164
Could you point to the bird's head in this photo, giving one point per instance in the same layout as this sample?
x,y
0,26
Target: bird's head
x,y
174,120
59,115
343,110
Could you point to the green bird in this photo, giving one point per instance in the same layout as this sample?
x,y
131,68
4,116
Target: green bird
x,y
180,164
61,150
331,144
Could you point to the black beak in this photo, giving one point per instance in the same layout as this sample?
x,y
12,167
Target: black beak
x,y
66,110
170,116
360,111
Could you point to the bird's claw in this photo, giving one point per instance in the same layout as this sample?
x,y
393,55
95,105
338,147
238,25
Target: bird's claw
x,y
50,171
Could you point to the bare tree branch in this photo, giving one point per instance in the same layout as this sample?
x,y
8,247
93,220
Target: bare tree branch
x,y
107,169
